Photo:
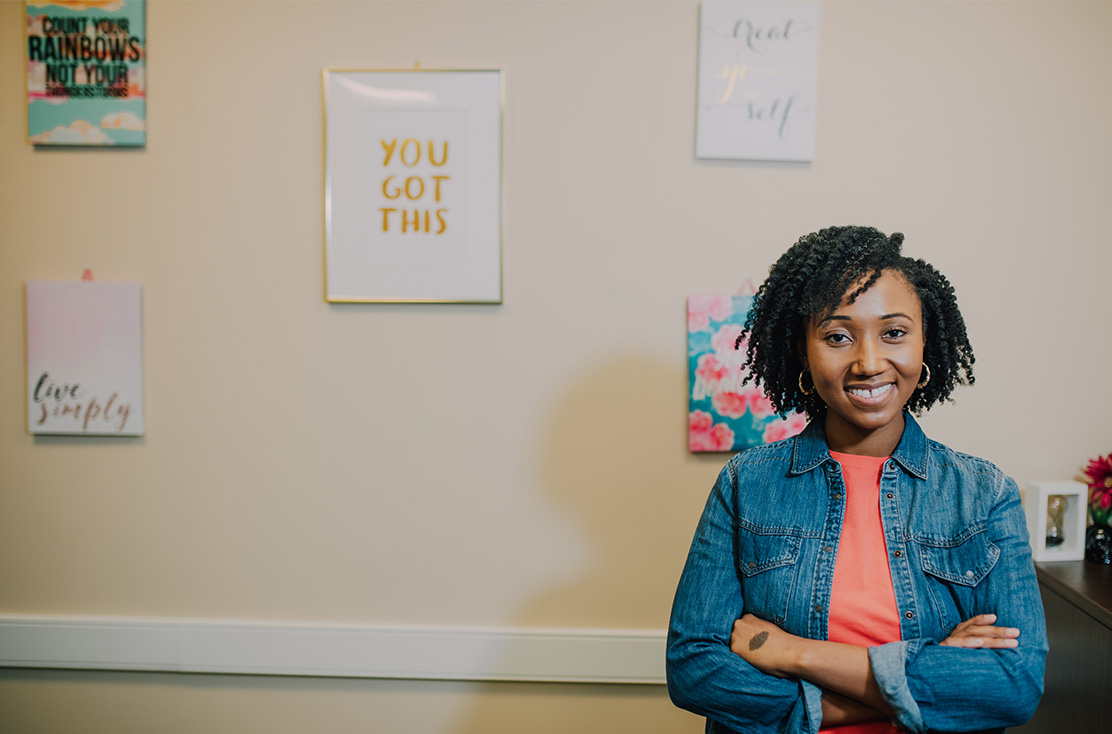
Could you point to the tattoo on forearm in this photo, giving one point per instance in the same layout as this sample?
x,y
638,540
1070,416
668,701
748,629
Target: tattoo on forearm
x,y
758,640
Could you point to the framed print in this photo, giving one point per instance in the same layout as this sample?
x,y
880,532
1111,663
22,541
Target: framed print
x,y
413,186
1056,520
84,358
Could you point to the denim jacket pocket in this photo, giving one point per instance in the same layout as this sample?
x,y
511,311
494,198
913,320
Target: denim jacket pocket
x,y
766,562
953,571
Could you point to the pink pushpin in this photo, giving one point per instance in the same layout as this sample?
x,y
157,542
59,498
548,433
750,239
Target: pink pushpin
x,y
88,274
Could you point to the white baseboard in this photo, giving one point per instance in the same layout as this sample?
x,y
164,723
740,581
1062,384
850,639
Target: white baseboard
x,y
265,648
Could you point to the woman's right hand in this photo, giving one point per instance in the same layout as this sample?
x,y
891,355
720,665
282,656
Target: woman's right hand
x,y
980,631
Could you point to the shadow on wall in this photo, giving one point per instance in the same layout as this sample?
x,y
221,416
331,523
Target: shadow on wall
x,y
615,456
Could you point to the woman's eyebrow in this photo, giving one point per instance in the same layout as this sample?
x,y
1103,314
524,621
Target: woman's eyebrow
x,y
840,317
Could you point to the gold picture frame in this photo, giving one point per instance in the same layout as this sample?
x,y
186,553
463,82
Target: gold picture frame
x,y
413,186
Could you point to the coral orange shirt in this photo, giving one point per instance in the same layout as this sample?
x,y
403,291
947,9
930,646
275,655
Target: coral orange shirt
x,y
862,601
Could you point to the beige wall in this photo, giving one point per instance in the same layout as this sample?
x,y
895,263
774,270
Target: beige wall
x,y
522,464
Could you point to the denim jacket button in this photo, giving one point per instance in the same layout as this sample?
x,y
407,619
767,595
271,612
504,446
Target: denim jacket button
x,y
968,574
909,615
889,495
818,607
752,565
898,553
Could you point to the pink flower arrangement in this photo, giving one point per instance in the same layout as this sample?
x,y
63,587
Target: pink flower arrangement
x,y
706,435
1099,473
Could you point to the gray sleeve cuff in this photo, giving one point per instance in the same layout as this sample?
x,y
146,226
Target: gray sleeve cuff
x,y
888,663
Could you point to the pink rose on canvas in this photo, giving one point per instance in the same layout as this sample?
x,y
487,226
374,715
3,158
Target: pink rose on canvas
x,y
722,342
759,405
725,339
710,374
710,369
699,420
729,404
701,309
780,429
706,435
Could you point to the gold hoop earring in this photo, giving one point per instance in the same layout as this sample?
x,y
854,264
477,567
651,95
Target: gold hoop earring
x,y
804,390
923,382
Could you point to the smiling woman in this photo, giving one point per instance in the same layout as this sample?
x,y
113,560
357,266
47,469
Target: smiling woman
x,y
866,361
842,579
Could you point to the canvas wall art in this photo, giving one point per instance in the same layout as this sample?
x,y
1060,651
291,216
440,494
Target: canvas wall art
x,y
724,415
86,72
84,358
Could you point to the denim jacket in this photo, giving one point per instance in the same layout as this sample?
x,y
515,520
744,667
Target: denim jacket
x,y
766,544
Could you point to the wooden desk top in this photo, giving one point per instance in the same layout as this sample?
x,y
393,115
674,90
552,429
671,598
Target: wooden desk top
x,y
1088,586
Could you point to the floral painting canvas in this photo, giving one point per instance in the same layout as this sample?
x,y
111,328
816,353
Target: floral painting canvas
x,y
723,415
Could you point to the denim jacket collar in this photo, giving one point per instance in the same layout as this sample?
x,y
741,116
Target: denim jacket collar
x,y
810,450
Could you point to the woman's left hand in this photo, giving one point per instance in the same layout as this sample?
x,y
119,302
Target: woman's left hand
x,y
762,644
982,631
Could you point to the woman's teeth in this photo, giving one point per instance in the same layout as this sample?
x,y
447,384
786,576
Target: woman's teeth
x,y
874,393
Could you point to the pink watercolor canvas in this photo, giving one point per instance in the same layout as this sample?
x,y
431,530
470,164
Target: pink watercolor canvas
x,y
724,415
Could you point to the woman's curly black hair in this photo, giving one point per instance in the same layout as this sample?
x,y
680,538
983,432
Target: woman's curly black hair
x,y
813,277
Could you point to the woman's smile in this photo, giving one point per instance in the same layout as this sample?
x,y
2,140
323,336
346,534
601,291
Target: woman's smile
x,y
872,396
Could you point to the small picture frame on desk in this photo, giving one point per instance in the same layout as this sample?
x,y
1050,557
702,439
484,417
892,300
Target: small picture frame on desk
x,y
1056,520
